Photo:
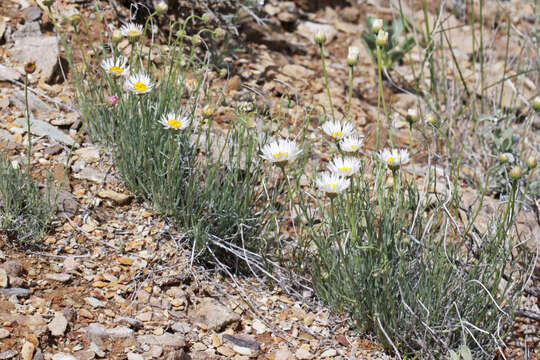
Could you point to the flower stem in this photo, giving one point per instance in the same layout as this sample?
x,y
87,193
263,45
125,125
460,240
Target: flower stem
x,y
326,81
29,134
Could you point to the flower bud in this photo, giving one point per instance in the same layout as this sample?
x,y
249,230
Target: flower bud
x,y
208,110
515,173
505,157
531,162
162,7
223,72
219,33
536,103
352,57
117,36
377,25
320,37
431,119
112,100
196,40
30,67
382,37
412,116
205,18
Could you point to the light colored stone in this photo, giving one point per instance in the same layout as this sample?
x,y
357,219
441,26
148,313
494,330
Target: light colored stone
x,y
96,349
8,354
4,281
27,351
95,303
329,353
63,278
173,340
62,356
212,315
8,74
41,49
283,354
308,30
90,174
303,354
58,325
4,333
119,198
88,154
134,356
42,128
17,98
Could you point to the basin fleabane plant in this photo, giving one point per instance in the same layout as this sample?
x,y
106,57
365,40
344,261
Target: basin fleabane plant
x,y
139,83
338,130
131,30
344,166
281,151
332,183
351,144
174,121
115,67
394,158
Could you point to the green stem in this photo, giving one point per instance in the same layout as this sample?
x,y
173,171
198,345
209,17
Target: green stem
x,y
29,152
326,82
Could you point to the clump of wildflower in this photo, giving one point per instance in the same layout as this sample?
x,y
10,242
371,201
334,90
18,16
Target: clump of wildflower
x,y
132,31
280,151
332,184
351,144
337,130
352,56
139,83
115,67
320,37
376,25
344,166
394,158
174,121
382,38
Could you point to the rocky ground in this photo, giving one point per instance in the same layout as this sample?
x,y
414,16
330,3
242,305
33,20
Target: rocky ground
x,y
114,280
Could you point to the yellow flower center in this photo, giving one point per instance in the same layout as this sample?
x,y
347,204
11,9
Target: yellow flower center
x,y
133,32
280,154
336,134
174,123
140,86
116,70
354,147
345,169
391,160
333,186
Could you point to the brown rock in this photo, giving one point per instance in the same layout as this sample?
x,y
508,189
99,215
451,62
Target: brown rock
x,y
13,268
119,198
27,352
210,314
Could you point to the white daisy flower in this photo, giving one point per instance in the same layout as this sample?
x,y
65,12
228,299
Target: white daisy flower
x,y
131,30
174,121
344,166
332,183
280,151
395,158
139,83
337,130
352,56
351,144
115,67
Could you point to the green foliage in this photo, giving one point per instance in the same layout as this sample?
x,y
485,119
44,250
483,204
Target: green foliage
x,y
25,213
395,261
396,47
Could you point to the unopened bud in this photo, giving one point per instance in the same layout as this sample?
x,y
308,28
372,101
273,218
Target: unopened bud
x,y
352,57
208,110
320,37
536,103
219,33
531,162
516,172
506,157
30,67
205,18
376,25
180,33
112,100
162,7
117,36
412,116
382,37
223,72
196,40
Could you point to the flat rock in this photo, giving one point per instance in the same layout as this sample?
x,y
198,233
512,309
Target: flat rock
x,y
30,29
308,30
134,356
88,154
96,331
14,291
6,137
58,325
41,49
62,356
27,351
181,327
173,340
8,74
118,198
42,128
90,174
62,277
329,353
4,333
210,314
95,303
34,102
4,281
13,268
303,354
8,354
32,13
